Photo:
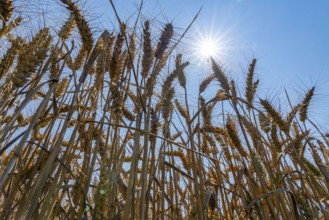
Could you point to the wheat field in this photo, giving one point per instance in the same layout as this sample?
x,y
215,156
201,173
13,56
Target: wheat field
x,y
93,129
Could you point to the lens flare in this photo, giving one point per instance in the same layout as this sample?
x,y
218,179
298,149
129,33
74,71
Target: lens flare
x,y
208,48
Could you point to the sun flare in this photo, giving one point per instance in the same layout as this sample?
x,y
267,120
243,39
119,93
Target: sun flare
x,y
210,40
208,48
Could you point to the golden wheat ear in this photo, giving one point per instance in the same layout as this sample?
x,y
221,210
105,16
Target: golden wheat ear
x,y
129,62
220,75
9,57
181,109
164,41
180,66
275,115
34,54
67,28
251,85
6,29
79,60
205,83
233,134
6,10
305,104
264,122
148,54
82,24
61,87
118,56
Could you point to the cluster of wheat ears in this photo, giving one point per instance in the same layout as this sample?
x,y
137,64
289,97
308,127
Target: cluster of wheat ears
x,y
89,131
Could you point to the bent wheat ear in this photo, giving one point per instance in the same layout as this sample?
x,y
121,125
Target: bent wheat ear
x,y
181,109
79,60
32,57
128,114
164,40
292,114
168,83
67,28
220,76
314,170
10,26
275,115
180,70
82,24
204,84
175,136
305,104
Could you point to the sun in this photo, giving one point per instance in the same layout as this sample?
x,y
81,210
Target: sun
x,y
209,41
208,48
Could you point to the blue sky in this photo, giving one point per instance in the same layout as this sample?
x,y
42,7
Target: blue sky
x,y
290,39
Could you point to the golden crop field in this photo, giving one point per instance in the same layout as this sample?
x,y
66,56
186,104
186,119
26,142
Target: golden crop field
x,y
93,129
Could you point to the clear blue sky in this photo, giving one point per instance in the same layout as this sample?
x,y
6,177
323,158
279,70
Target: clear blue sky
x,y
290,39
